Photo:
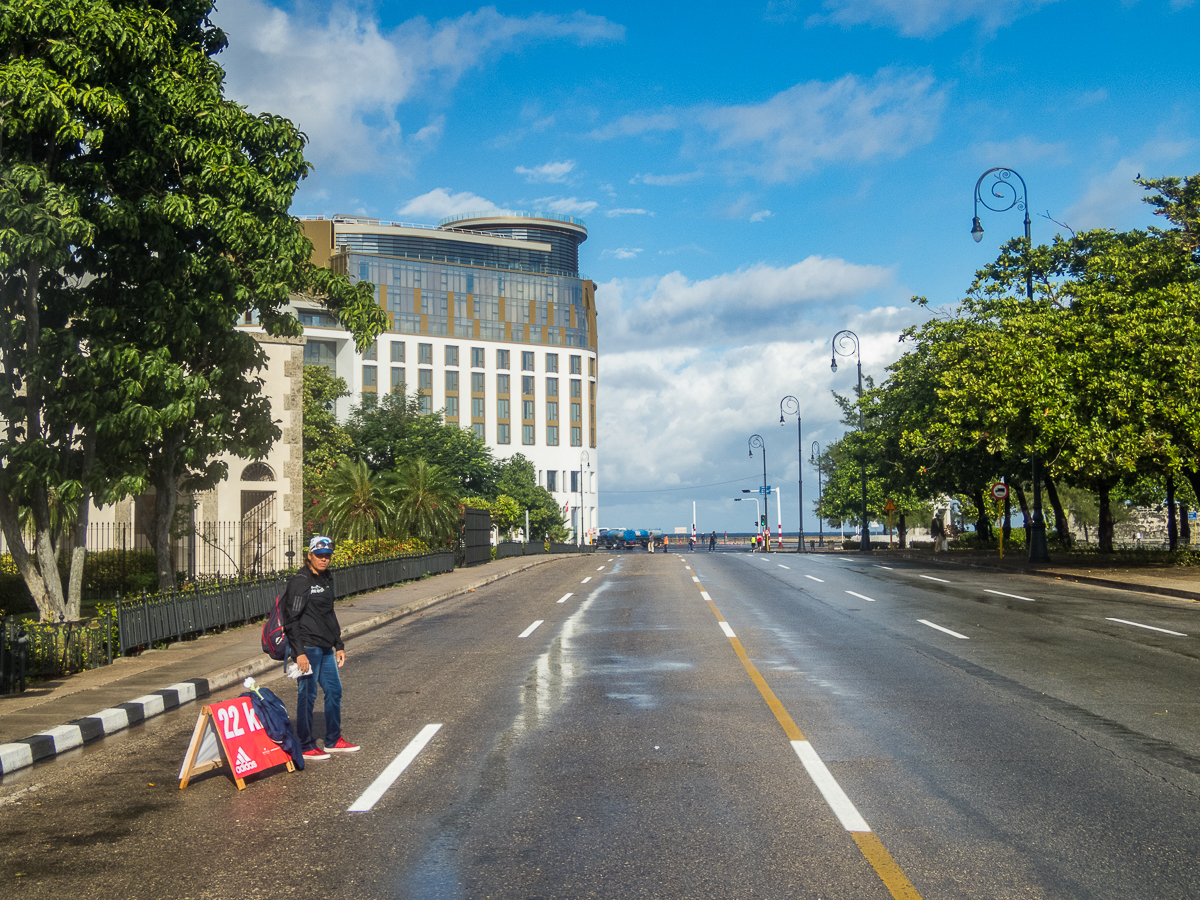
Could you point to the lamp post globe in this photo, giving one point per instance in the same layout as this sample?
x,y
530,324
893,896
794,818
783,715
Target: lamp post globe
x,y
846,342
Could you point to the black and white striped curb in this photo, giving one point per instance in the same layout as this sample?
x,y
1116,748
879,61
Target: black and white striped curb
x,y
46,744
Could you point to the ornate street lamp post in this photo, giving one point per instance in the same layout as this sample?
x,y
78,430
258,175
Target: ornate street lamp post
x,y
793,409
815,458
842,347
1003,189
757,441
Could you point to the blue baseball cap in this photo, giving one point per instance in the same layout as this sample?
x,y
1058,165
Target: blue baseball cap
x,y
321,546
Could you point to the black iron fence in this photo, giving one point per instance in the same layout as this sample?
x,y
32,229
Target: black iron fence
x,y
476,537
47,650
505,549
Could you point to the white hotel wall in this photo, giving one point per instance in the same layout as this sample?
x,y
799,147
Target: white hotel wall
x,y
564,458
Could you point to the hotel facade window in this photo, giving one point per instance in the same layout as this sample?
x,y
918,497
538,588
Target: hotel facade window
x,y
491,284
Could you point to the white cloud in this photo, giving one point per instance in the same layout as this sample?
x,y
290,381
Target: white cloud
x,y
342,79
632,126
924,18
622,253
1112,200
1097,96
823,122
754,301
615,213
761,215
1021,151
553,172
728,394
440,202
665,180
567,206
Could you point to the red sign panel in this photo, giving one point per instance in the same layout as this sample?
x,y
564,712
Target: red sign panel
x,y
246,744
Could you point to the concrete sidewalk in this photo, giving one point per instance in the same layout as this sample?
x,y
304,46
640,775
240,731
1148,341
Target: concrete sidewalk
x,y
55,716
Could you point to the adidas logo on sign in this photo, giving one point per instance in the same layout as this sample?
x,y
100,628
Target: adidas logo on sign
x,y
243,762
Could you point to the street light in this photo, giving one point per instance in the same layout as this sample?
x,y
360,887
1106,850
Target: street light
x,y
841,345
1005,191
814,458
584,460
757,441
793,409
757,508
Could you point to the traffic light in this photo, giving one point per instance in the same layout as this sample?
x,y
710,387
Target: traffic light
x,y
762,523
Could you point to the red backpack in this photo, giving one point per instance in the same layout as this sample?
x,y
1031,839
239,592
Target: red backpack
x,y
274,638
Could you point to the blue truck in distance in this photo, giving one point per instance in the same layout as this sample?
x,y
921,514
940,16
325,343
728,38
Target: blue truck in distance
x,y
621,538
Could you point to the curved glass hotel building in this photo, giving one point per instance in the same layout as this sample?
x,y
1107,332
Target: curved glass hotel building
x,y
489,320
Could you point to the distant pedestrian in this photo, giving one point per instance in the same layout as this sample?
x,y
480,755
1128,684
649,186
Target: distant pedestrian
x,y
315,642
712,542
692,544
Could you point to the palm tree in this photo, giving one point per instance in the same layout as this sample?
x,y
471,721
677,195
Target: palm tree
x,y
428,504
359,506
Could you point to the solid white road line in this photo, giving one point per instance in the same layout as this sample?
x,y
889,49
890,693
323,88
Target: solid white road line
x,y
815,578
829,788
586,580
782,566
1014,596
861,596
531,629
1150,627
566,597
940,628
389,775
704,594
725,628
931,578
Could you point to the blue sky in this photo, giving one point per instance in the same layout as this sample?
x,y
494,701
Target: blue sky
x,y
753,178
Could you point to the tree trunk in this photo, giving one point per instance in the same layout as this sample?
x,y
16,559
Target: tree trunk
x,y
1172,533
1024,504
902,532
983,525
166,498
1060,518
1107,524
1185,528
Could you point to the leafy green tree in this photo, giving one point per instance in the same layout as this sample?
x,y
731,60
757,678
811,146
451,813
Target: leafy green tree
x,y
428,506
392,431
326,443
141,217
359,505
517,478
506,514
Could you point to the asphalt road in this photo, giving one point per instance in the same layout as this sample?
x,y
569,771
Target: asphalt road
x,y
702,725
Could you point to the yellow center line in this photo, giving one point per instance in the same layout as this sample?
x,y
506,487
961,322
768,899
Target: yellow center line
x,y
868,842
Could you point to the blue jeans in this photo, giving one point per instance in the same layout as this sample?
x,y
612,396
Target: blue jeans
x,y
324,673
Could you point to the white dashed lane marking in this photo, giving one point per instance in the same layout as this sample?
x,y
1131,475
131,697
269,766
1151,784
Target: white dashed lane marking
x,y
389,775
946,630
1014,596
861,596
586,580
565,598
931,578
1149,627
725,628
531,629
782,566
815,578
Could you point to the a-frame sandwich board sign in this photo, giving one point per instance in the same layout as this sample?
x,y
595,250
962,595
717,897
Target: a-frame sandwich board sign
x,y
229,732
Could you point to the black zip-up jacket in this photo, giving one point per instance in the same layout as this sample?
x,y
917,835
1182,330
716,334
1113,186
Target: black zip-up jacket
x,y
308,616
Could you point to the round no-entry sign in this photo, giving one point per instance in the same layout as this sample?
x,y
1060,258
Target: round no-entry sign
x,y
999,490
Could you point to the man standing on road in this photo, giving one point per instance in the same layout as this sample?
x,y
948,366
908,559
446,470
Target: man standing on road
x,y
712,542
315,641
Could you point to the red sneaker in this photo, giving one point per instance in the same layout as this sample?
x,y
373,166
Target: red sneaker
x,y
342,746
316,753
